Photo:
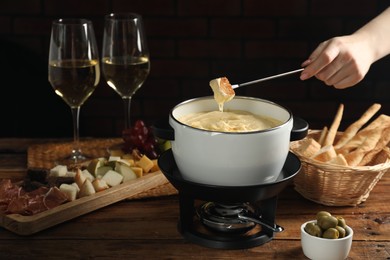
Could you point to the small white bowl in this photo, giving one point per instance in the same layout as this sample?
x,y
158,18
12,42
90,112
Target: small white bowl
x,y
317,248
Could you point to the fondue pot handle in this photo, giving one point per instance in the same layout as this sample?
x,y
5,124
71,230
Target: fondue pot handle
x,y
299,130
163,130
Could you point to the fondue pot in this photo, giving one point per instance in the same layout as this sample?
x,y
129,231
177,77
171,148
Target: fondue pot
x,y
231,158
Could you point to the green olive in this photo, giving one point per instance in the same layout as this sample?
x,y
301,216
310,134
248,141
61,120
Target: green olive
x,y
341,222
326,222
322,213
341,231
313,229
331,233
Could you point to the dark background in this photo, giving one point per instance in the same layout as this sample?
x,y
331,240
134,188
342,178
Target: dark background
x,y
190,43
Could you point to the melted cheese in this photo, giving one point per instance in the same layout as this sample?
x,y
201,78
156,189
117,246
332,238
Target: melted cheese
x,y
223,91
229,121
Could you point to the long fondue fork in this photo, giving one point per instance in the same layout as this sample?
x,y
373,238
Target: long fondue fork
x,y
267,78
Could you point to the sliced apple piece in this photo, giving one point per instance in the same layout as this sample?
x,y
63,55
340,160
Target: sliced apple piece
x,y
128,162
100,184
86,189
103,170
126,171
88,175
94,164
113,178
79,178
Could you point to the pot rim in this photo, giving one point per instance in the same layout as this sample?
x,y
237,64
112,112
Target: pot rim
x,y
232,133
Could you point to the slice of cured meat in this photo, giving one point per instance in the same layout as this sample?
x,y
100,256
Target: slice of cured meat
x,y
15,200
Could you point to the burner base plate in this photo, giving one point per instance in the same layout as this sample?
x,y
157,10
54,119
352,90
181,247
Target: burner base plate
x,y
191,227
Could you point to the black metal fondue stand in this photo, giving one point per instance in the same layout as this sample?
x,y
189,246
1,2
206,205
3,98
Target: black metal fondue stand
x,y
228,217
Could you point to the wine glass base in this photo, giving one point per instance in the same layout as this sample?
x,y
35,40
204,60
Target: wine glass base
x,y
75,159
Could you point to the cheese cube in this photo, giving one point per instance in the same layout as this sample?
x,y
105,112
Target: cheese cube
x,y
145,163
88,175
138,171
59,171
76,186
70,174
114,158
69,190
155,166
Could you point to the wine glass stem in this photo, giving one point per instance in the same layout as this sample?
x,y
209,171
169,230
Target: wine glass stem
x,y
76,152
127,105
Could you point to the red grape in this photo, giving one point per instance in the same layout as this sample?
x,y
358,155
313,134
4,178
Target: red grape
x,y
141,137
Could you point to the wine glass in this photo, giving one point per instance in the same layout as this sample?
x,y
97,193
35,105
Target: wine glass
x,y
74,70
125,56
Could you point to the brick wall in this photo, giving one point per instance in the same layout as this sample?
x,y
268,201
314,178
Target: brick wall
x,y
190,43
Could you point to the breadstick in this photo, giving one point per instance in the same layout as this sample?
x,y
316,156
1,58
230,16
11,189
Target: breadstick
x,y
355,127
382,157
382,143
323,135
354,158
382,122
333,128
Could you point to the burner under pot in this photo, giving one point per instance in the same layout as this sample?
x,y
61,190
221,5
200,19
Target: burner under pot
x,y
227,225
232,218
228,217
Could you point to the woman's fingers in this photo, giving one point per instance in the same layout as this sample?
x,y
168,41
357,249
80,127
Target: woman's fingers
x,y
337,68
319,59
346,76
338,62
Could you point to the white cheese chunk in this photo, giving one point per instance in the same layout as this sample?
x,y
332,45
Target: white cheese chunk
x,y
59,171
69,190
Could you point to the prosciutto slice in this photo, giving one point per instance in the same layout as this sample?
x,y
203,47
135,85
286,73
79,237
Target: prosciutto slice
x,y
15,200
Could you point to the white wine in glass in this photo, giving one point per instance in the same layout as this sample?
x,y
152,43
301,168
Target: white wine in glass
x,y
125,56
74,70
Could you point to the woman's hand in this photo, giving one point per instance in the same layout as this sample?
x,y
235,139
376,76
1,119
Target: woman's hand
x,y
344,61
340,62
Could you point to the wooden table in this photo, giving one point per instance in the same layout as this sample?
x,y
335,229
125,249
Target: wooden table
x,y
147,228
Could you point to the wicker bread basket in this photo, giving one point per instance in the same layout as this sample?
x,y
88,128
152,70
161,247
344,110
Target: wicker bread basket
x,y
335,185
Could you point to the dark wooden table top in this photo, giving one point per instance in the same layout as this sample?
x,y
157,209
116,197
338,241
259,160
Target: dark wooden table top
x,y
147,228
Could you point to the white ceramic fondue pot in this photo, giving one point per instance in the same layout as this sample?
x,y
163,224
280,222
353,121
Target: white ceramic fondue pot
x,y
231,159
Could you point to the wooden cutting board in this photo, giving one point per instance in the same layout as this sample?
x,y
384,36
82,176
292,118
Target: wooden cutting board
x,y
27,225
44,156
